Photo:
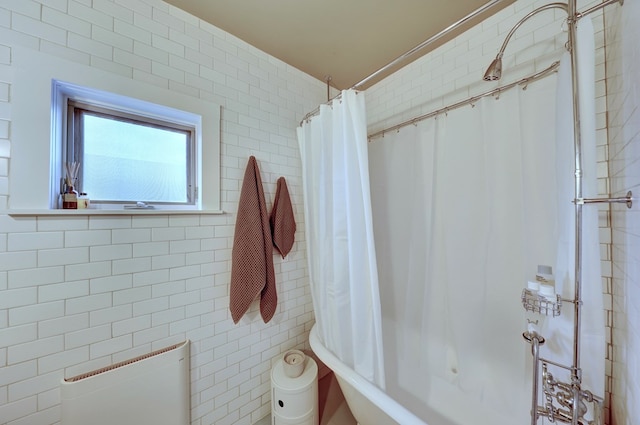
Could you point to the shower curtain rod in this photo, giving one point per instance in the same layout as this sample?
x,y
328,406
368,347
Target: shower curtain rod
x,y
470,101
438,36
411,52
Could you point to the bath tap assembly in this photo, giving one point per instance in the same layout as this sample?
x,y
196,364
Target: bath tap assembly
x,y
560,403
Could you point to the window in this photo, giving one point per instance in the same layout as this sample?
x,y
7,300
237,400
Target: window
x,y
126,158
44,85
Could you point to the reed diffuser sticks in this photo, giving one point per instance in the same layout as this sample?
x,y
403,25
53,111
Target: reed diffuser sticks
x,y
72,173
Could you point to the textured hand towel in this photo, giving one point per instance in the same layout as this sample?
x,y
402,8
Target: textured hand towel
x,y
252,255
283,224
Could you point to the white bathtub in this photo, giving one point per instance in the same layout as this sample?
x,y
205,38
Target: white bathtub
x,y
368,404
413,397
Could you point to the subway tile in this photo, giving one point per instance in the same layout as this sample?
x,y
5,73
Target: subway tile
x,y
62,360
149,221
133,265
36,276
131,60
90,46
62,291
184,299
179,327
167,288
17,409
132,325
85,337
110,284
167,316
63,52
13,298
186,272
85,13
63,257
32,350
150,277
63,324
15,335
131,235
132,295
110,252
110,346
88,303
179,246
87,270
17,260
109,222
132,31
110,314
60,19
43,382
167,234
111,8
150,249
150,26
35,312
146,336
150,306
37,28
82,238
52,224
168,261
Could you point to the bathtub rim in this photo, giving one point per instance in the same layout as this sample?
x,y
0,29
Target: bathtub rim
x,y
392,408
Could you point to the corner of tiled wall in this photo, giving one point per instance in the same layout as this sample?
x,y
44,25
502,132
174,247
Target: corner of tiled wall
x,y
623,119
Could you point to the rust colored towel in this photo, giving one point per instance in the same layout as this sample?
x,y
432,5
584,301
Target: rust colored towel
x,y
252,255
283,224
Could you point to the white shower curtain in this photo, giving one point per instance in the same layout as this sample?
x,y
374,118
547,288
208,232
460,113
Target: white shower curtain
x,y
466,206
339,234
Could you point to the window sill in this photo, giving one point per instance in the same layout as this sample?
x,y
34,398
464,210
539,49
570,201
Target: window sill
x,y
90,211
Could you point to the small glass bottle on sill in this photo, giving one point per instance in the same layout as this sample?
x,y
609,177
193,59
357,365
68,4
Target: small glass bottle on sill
x,y
70,198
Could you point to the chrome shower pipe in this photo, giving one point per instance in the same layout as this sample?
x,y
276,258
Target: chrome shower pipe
x,y
576,374
494,72
535,352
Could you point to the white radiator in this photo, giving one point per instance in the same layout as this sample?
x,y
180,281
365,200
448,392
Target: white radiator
x,y
150,389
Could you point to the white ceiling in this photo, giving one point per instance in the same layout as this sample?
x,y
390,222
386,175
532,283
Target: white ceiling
x,y
347,40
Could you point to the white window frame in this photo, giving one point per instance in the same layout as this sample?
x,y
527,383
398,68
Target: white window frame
x,y
68,97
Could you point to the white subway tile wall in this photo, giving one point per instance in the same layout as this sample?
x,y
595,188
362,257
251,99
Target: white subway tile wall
x,y
623,68
79,293
454,71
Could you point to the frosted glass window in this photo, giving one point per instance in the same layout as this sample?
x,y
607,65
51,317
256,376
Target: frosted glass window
x,y
126,158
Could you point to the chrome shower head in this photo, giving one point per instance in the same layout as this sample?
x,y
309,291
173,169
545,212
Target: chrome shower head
x,y
494,72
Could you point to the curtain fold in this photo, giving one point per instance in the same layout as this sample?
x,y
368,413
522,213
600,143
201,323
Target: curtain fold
x,y
339,234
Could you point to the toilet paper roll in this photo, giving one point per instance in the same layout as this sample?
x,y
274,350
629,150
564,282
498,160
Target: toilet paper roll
x,y
293,363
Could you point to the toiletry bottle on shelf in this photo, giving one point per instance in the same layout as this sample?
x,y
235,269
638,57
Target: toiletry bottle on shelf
x,y
547,282
83,201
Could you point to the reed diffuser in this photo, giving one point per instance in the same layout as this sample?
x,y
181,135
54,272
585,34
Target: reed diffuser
x,y
70,195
